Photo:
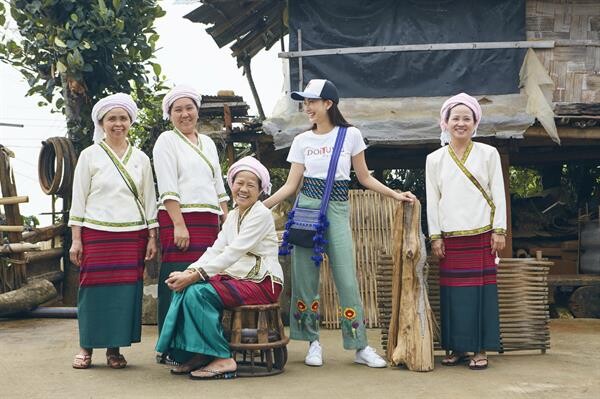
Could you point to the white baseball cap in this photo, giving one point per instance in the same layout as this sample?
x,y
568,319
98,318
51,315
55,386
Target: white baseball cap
x,y
318,88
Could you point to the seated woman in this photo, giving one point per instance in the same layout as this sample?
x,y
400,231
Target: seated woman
x,y
241,268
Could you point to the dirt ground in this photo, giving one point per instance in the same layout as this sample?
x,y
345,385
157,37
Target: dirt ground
x,y
36,354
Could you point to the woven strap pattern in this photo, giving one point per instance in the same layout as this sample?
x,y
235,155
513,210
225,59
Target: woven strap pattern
x,y
315,188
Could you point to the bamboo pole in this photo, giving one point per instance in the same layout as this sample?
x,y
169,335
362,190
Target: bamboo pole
x,y
19,199
11,229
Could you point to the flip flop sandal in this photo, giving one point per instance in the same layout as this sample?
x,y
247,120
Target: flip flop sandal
x,y
116,361
454,359
82,362
181,371
473,364
216,375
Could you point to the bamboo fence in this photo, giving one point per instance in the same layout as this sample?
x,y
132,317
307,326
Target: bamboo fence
x,y
522,301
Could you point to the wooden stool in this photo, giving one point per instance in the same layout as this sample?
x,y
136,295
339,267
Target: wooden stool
x,y
256,334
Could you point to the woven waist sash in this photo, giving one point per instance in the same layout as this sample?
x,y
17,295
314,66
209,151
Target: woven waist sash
x,y
314,188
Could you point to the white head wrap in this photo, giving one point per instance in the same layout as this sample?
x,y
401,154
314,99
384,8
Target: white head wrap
x,y
253,165
118,100
175,94
461,98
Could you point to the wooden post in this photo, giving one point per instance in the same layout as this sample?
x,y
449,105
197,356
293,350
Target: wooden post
x,y
228,123
248,72
505,160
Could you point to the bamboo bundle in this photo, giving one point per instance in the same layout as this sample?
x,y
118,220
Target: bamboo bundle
x,y
371,217
412,325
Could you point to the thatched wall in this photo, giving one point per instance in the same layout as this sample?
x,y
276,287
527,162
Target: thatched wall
x,y
574,64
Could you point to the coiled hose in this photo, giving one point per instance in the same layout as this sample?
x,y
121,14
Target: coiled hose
x,y
56,166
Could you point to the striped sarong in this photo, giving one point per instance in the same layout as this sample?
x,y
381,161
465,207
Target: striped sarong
x,y
469,295
111,287
468,262
234,292
203,228
112,258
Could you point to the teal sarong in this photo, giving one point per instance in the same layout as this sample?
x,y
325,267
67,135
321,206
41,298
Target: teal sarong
x,y
193,325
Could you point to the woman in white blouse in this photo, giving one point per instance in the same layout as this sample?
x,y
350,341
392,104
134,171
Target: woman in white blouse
x,y
113,223
192,195
466,214
241,268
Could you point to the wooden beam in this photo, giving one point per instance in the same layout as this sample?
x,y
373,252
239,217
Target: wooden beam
x,y
565,132
419,47
505,161
14,200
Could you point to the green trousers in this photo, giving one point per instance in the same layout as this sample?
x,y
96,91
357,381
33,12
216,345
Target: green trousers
x,y
305,304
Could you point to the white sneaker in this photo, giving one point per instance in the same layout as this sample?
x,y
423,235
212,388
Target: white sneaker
x,y
314,357
368,356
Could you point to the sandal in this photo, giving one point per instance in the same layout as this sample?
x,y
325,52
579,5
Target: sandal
x,y
214,374
478,364
116,361
82,361
193,364
454,358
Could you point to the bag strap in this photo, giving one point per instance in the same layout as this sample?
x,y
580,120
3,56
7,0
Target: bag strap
x,y
337,150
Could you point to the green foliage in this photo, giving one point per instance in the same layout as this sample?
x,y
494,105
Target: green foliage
x,y
150,123
30,221
524,182
73,53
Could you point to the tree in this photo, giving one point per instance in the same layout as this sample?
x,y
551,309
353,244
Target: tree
x,y
74,52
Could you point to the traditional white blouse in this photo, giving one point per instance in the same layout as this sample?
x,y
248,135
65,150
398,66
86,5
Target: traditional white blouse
x,y
465,196
102,190
246,247
189,174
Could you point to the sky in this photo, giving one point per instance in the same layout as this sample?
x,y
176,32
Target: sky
x,y
187,55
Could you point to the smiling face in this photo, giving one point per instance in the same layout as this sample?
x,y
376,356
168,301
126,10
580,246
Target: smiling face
x,y
184,115
316,110
461,123
245,190
116,124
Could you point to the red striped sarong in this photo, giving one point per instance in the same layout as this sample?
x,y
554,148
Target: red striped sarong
x,y
468,261
203,228
234,292
112,258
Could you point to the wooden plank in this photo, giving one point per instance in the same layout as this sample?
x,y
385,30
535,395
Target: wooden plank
x,y
573,280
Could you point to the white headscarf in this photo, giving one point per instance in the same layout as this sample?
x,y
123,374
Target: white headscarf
x,y
461,98
118,100
175,94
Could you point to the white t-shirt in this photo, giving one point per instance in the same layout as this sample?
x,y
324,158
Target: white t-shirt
x,y
314,152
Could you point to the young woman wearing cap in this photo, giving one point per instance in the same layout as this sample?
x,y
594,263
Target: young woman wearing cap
x,y
309,156
191,191
466,214
241,268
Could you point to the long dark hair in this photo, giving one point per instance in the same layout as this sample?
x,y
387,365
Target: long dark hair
x,y
335,117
